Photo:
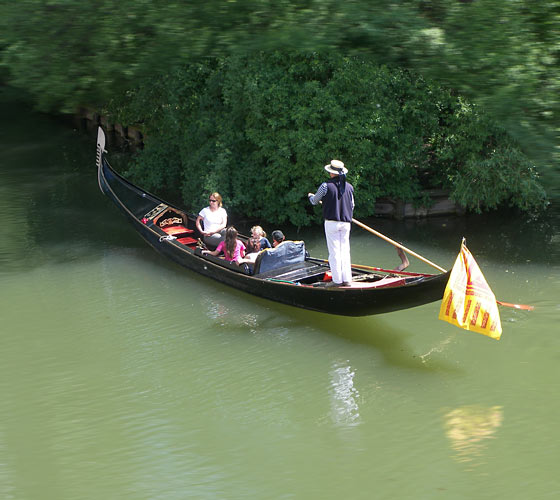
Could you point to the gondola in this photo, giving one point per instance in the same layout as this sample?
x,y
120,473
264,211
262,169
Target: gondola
x,y
286,274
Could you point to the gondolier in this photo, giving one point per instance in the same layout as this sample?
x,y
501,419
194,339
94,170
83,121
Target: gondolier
x,y
337,197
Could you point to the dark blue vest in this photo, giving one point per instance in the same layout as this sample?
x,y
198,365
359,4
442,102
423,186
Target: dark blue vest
x,y
335,207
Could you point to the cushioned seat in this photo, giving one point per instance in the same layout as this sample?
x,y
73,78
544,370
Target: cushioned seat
x,y
285,254
187,240
174,230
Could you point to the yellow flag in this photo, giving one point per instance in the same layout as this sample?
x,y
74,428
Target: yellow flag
x,y
468,301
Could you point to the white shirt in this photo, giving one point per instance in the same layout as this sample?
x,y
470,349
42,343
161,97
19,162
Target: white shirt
x,y
213,220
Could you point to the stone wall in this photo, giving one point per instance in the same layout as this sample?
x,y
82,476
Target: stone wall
x,y
131,138
397,209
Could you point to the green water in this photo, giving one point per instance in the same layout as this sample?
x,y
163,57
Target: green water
x,y
124,376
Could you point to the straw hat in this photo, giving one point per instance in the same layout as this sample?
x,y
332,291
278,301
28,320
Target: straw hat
x,y
336,167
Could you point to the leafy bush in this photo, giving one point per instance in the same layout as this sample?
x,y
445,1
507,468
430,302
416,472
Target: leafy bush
x,y
259,128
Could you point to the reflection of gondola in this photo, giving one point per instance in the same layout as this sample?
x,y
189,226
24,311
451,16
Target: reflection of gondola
x,y
286,274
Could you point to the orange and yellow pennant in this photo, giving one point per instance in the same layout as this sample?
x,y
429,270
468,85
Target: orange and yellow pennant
x,y
468,301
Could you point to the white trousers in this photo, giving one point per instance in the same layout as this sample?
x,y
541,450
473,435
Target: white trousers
x,y
338,243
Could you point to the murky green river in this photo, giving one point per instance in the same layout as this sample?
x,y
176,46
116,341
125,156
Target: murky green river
x,y
124,376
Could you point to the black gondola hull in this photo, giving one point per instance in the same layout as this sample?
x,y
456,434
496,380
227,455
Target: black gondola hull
x,y
133,202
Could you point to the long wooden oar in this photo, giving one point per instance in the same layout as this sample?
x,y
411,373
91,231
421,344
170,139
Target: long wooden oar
x,y
516,306
389,240
398,245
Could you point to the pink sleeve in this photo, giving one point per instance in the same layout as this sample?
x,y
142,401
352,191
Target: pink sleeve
x,y
221,246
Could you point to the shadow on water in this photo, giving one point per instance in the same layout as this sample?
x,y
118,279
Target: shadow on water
x,y
373,332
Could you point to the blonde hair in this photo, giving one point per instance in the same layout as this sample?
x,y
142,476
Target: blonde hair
x,y
218,196
259,230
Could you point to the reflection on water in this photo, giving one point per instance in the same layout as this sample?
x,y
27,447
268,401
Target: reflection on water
x,y
344,396
215,310
469,428
221,314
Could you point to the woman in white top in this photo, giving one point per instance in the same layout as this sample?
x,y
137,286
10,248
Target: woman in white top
x,y
214,221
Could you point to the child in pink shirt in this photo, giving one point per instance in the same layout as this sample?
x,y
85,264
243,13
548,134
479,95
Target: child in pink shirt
x,y
234,250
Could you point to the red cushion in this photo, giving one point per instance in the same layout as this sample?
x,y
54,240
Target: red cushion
x,y
187,240
176,230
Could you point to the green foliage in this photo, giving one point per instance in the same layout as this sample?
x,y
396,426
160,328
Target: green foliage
x,y
503,56
505,176
259,129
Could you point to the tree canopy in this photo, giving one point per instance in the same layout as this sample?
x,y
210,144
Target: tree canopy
x,y
503,56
